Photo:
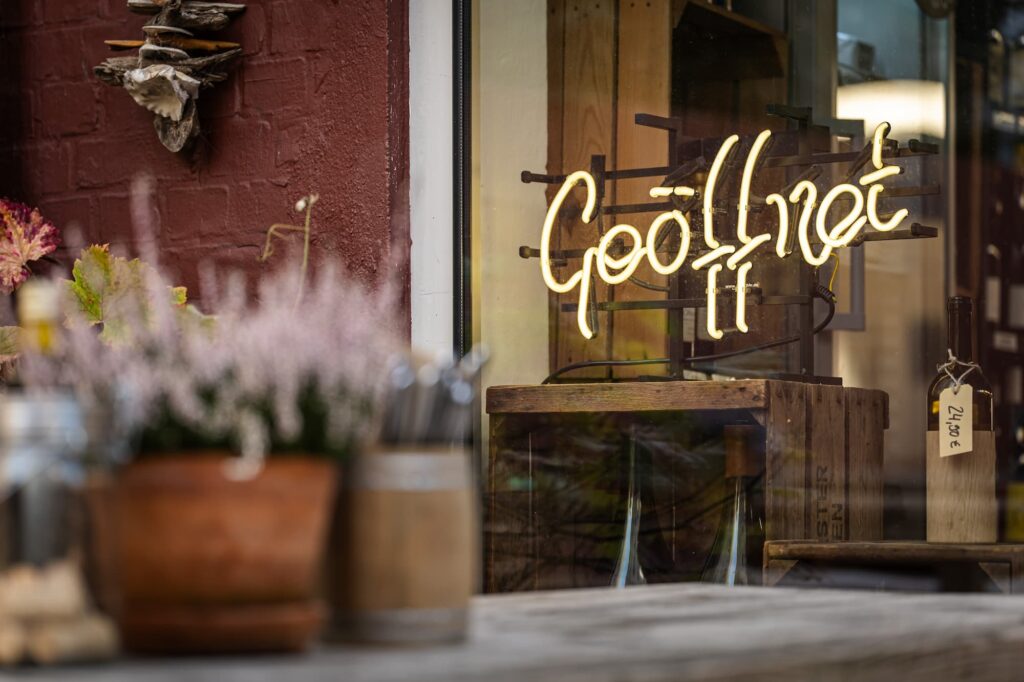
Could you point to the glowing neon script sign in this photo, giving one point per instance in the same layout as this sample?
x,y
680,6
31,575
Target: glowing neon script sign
x,y
616,270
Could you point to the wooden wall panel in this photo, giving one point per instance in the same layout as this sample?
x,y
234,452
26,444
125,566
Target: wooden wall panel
x,y
587,101
644,74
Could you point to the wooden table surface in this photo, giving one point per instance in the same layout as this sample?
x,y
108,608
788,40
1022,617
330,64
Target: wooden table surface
x,y
667,632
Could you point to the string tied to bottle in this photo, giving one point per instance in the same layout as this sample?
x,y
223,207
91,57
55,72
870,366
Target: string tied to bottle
x,y
953,363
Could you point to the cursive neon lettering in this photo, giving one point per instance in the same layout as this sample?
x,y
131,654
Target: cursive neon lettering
x,y
612,269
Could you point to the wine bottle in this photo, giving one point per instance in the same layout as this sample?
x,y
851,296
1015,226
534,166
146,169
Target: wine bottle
x,y
961,460
735,557
960,336
39,315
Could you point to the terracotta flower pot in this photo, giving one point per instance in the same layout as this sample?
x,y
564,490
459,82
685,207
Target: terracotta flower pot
x,y
195,562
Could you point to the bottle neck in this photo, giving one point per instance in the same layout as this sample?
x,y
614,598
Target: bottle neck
x,y
961,332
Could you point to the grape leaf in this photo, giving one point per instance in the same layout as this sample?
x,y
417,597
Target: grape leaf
x,y
112,291
9,343
25,236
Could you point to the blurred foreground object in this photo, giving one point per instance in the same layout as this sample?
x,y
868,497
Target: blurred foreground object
x,y
212,538
407,546
46,614
201,563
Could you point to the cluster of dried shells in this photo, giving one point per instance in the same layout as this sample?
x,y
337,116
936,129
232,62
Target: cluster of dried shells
x,y
173,65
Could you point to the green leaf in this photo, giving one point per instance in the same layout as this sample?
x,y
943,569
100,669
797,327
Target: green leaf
x,y
112,291
10,343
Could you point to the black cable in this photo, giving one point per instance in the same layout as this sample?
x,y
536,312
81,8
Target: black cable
x,y
820,291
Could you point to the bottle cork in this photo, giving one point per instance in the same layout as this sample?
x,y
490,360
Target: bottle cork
x,y
744,450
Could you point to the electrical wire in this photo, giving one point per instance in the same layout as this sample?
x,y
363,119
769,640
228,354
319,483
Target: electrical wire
x,y
835,269
820,291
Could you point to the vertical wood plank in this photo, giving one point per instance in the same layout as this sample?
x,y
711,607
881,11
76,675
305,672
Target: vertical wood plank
x,y
826,434
785,462
961,492
644,41
588,80
556,116
865,427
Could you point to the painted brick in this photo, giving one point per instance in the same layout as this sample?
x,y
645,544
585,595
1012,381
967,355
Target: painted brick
x,y
50,174
252,33
67,109
272,132
101,161
220,102
240,148
200,212
50,54
119,114
55,11
289,142
69,215
115,225
256,206
294,28
18,14
270,86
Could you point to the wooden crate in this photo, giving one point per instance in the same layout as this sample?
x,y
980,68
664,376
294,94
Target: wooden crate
x,y
823,450
913,566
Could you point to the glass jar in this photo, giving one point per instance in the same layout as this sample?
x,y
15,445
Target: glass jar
x,y
47,614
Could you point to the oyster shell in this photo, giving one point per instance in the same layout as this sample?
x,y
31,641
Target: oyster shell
x,y
162,89
160,52
156,30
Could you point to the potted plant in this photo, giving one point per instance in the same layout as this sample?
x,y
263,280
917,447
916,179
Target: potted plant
x,y
214,529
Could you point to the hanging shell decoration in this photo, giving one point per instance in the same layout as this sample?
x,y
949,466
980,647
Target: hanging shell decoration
x,y
173,64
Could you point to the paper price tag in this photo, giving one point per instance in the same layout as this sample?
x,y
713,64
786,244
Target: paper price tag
x,y
956,421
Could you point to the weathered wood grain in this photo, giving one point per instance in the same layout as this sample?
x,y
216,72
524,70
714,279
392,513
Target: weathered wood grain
x,y
698,633
786,489
587,101
961,492
630,397
865,426
644,60
826,451
1004,562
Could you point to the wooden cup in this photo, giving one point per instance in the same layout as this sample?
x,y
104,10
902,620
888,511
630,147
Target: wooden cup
x,y
406,548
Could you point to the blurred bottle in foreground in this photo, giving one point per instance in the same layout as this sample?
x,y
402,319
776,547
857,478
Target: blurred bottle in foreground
x,y
46,613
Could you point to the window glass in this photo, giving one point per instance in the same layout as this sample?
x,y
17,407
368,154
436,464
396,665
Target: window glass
x,y
736,192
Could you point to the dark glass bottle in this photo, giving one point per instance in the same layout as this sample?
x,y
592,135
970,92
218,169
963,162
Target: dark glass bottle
x,y
960,311
735,557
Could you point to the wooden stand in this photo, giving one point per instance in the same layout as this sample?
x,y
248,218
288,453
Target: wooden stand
x,y
907,566
822,450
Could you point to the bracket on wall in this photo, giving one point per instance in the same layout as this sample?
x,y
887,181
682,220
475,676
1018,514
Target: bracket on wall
x,y
173,63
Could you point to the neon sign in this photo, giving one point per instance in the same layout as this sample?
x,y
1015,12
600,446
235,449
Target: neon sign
x,y
614,270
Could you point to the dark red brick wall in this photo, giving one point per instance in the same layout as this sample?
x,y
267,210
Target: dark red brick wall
x,y
319,103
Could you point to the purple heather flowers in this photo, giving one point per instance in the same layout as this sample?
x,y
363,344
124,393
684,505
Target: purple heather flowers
x,y
26,237
244,374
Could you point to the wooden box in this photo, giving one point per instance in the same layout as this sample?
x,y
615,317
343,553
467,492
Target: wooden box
x,y
558,473
905,566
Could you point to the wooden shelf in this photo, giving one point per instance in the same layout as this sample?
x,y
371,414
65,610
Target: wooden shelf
x,y
654,396
648,396
802,562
